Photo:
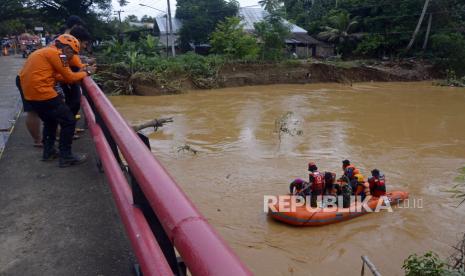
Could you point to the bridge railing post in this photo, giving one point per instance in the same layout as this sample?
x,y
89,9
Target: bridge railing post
x,y
370,266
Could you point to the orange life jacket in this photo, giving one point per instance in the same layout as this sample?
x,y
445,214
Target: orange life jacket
x,y
356,171
363,189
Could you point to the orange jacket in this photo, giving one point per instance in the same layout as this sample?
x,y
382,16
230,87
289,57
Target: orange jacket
x,y
38,76
76,62
356,171
363,187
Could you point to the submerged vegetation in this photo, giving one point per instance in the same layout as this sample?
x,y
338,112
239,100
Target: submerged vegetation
x,y
458,190
452,80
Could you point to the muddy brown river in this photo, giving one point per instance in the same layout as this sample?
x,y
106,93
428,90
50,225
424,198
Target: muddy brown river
x,y
413,132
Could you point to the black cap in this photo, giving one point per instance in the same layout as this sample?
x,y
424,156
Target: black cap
x,y
313,168
80,33
74,20
375,172
346,162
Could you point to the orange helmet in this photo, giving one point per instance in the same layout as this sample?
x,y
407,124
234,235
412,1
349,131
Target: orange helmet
x,y
69,40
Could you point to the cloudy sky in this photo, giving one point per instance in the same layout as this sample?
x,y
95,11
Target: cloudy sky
x,y
134,8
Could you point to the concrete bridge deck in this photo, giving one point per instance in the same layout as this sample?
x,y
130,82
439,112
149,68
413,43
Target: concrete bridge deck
x,y
53,221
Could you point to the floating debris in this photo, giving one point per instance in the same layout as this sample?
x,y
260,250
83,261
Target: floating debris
x,y
187,148
288,124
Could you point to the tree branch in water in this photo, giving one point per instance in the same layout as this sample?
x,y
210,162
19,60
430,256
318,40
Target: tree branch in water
x,y
155,123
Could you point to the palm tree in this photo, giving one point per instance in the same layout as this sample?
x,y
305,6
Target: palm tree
x,y
341,30
270,5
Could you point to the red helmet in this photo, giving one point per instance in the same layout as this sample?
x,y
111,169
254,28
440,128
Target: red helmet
x,y
71,41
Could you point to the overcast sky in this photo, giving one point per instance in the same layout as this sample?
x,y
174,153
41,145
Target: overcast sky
x,y
134,8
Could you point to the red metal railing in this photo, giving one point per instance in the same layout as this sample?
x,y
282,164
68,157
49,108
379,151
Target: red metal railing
x,y
141,237
203,251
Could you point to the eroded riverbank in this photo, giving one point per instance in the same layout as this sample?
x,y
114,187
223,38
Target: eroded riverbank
x,y
288,72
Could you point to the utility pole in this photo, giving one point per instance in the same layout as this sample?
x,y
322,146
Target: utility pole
x,y
120,37
167,40
119,14
171,29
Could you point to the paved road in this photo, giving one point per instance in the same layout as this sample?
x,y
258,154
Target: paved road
x,y
10,102
55,221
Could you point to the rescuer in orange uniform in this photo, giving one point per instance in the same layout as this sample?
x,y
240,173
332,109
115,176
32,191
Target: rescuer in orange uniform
x,y
38,77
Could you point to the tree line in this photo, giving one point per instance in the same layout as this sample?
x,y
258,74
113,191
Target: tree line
x,y
386,29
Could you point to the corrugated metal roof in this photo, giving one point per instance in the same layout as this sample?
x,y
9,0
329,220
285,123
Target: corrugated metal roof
x,y
253,15
300,38
248,15
161,22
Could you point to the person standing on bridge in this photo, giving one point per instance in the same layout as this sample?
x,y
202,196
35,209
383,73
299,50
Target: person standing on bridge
x,y
38,77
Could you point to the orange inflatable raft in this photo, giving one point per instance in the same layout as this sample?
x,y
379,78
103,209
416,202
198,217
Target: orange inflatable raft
x,y
306,216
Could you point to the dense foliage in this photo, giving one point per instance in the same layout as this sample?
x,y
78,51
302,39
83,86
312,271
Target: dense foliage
x,y
358,28
126,61
428,264
272,31
230,39
387,27
18,16
200,17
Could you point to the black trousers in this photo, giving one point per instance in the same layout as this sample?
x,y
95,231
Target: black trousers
x,y
53,112
72,97
72,94
26,105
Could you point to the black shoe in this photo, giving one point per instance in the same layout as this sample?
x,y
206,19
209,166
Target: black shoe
x,y
72,159
50,155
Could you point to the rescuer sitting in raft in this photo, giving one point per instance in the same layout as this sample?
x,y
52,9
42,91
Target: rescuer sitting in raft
x,y
349,172
362,189
349,177
331,188
345,191
377,183
346,166
317,183
299,187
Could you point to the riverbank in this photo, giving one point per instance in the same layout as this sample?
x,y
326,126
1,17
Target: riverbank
x,y
289,72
